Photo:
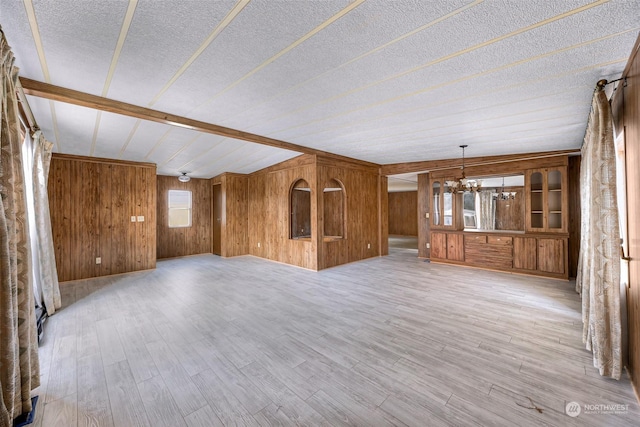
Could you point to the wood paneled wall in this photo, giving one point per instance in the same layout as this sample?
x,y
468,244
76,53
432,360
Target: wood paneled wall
x,y
383,215
627,118
403,213
175,242
268,210
510,213
235,214
269,216
361,191
424,207
92,201
504,168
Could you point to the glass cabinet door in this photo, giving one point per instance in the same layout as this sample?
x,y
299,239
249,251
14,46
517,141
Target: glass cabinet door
x,y
547,200
447,206
554,199
536,200
436,203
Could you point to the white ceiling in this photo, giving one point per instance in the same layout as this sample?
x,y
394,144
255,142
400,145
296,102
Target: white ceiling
x,y
378,80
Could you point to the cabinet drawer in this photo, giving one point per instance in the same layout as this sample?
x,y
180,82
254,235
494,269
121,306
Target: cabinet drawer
x,y
500,240
474,239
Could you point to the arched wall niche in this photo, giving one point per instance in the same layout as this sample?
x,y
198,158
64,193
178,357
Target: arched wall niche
x,y
300,210
335,210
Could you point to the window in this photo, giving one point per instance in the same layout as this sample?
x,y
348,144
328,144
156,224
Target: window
x,y
179,208
469,209
300,209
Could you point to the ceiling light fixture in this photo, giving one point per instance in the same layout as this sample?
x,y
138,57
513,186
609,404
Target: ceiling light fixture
x,y
463,184
504,195
184,177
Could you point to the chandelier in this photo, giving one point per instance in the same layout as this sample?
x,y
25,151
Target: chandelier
x,y
463,184
504,195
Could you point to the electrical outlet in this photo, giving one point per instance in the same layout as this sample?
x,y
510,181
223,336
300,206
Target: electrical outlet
x,y
133,219
428,245
141,219
426,215
98,260
258,244
368,245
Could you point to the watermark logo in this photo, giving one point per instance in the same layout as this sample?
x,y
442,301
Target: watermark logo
x,y
573,409
606,409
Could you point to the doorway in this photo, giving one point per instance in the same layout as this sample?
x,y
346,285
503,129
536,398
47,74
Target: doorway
x,y
403,220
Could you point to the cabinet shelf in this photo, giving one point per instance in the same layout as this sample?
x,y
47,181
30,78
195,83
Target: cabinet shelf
x,y
546,202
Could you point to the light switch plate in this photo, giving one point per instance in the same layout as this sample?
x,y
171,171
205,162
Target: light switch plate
x,y
133,219
141,218
98,260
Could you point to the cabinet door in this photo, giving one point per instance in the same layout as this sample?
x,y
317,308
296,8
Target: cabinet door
x,y
546,200
455,247
439,245
556,208
436,202
535,200
446,211
525,253
551,255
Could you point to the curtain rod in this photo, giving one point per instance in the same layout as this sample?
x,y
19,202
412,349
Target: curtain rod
x,y
602,83
25,109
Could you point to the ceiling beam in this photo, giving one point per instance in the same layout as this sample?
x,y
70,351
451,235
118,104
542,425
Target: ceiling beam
x,y
433,165
70,96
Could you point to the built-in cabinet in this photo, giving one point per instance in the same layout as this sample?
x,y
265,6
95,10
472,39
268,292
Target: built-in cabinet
x,y
544,255
447,246
540,248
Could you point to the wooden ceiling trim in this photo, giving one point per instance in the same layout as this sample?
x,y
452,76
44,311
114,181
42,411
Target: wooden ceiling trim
x,y
434,165
102,160
70,96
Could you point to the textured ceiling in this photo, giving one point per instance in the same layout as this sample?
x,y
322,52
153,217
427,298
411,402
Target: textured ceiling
x,y
378,80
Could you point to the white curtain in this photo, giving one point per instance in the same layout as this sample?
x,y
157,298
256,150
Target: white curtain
x,y
47,272
598,278
485,210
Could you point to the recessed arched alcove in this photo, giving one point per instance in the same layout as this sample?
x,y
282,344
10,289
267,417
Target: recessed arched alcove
x,y
334,201
300,210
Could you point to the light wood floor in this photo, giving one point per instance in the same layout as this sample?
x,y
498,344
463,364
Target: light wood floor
x,y
403,242
204,341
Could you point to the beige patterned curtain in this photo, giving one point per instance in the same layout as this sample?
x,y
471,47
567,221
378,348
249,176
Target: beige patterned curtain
x,y
598,279
19,369
47,269
486,210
